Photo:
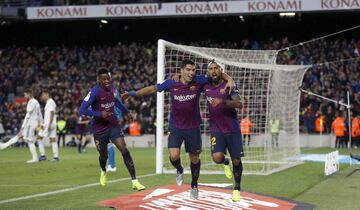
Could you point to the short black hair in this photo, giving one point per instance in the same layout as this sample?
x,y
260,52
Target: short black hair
x,y
28,90
187,62
102,70
46,90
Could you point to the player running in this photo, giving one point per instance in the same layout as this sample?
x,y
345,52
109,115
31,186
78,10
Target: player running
x,y
105,126
224,127
185,119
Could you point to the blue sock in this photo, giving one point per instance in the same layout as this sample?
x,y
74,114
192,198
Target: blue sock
x,y
111,153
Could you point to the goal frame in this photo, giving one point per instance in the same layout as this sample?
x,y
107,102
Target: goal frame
x,y
160,112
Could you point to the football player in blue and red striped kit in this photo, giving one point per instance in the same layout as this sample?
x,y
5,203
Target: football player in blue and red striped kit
x,y
185,118
105,126
224,126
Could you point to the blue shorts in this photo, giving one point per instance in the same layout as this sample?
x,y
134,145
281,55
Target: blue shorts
x,y
231,141
103,139
192,138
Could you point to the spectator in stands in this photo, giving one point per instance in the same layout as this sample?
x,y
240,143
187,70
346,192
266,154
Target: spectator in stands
x,y
61,130
309,118
274,125
135,128
68,70
319,123
355,131
329,118
339,129
246,125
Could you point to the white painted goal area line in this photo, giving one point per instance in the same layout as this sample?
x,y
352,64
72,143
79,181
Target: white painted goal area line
x,y
68,189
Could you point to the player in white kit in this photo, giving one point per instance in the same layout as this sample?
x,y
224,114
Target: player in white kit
x,y
32,120
48,127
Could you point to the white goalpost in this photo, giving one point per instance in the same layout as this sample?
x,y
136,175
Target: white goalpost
x,y
268,91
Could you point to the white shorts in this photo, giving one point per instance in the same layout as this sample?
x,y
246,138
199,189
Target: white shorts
x,y
46,133
29,133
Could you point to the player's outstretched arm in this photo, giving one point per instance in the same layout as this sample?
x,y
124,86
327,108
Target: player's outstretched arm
x,y
149,89
142,92
230,82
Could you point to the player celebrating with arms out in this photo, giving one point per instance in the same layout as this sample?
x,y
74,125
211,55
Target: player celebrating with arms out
x,y
224,127
105,126
184,118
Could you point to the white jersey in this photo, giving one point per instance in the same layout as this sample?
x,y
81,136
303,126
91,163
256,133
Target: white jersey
x,y
49,107
33,114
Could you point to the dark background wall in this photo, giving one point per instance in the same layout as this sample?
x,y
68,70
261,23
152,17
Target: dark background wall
x,y
254,27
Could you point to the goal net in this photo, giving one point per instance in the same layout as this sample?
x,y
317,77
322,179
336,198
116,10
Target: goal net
x,y
268,91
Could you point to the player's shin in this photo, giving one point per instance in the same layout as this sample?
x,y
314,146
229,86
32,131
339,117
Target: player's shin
x,y
55,149
129,163
195,173
102,162
79,146
111,152
32,149
41,147
83,149
237,172
177,165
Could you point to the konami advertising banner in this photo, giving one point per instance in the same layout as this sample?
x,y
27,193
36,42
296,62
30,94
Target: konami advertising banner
x,y
188,9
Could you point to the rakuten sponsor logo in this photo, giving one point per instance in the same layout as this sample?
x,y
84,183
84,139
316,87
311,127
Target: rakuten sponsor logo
x,y
184,98
201,8
269,6
107,105
61,12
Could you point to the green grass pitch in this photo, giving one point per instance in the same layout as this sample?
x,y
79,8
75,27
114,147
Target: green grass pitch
x,y
80,173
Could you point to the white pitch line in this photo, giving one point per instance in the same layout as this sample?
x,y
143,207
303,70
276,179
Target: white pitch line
x,y
34,185
67,190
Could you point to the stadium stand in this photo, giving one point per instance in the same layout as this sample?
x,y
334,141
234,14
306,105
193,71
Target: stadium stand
x,y
67,71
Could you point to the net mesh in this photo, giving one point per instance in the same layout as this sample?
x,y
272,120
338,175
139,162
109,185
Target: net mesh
x,y
267,91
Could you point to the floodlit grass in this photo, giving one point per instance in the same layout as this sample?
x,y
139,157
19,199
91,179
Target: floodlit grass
x,y
305,183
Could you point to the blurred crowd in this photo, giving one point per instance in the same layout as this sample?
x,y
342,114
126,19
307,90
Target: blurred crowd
x,y
329,79
69,72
